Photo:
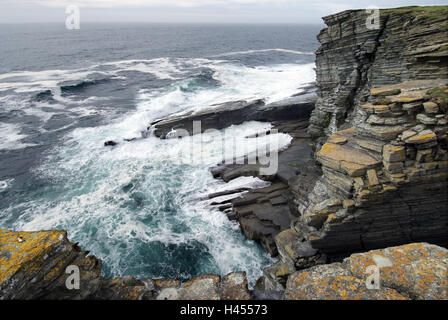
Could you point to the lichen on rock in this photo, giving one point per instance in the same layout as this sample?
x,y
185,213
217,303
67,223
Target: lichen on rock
x,y
414,271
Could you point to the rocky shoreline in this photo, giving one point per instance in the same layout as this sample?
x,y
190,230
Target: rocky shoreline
x,y
36,262
363,183
237,112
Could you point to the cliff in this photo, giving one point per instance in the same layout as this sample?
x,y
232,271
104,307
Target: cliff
x,y
409,44
380,124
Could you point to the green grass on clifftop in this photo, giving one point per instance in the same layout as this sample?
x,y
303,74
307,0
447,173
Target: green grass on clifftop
x,y
430,12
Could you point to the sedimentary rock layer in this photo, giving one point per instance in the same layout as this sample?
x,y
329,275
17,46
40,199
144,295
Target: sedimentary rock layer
x,y
381,127
264,213
409,44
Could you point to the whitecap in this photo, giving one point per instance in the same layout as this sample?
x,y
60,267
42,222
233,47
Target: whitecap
x,y
11,136
236,53
5,184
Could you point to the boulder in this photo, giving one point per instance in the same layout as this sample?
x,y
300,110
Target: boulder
x,y
431,107
203,287
423,118
110,143
33,266
393,153
413,271
234,287
347,160
422,137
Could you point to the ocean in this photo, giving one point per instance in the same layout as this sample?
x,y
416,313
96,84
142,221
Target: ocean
x,y
63,93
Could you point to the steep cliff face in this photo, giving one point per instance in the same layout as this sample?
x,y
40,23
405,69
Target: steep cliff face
x,y
409,44
381,118
387,170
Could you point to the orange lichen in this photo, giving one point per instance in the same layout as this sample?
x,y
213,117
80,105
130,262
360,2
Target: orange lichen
x,y
26,250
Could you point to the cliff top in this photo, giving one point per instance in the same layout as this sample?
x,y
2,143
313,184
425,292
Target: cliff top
x,y
430,12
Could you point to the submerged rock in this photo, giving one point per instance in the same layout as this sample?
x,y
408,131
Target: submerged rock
x,y
110,143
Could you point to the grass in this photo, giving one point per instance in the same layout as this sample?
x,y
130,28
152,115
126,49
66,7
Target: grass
x,y
430,12
439,93
395,92
327,121
131,282
443,48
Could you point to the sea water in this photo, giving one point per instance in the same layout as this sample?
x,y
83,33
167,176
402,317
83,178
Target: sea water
x,y
137,206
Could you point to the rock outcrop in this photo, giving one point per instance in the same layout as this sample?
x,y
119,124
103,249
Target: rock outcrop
x,y
381,148
381,185
417,271
38,265
233,113
264,213
409,44
401,194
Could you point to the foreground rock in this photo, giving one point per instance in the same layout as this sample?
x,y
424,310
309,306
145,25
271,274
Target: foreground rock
x,y
416,271
34,265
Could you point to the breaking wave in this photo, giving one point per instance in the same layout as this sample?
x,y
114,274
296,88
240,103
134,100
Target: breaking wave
x,y
135,206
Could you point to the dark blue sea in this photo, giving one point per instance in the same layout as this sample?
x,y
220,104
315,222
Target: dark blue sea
x,y
63,93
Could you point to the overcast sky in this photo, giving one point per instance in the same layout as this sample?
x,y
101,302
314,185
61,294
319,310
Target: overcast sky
x,y
205,11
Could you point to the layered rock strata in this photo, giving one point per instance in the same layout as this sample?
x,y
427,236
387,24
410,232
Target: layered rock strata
x,y
380,129
409,44
383,182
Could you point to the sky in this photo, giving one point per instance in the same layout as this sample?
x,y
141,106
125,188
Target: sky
x,y
188,11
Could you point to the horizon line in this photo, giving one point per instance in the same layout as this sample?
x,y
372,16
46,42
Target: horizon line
x,y
167,22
